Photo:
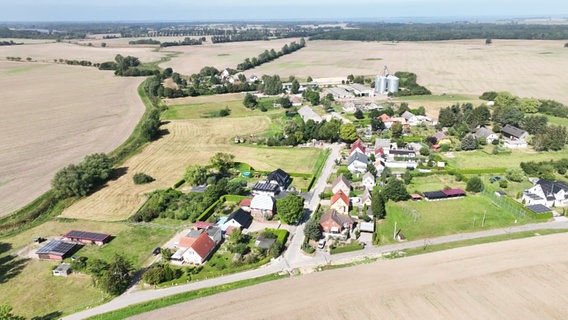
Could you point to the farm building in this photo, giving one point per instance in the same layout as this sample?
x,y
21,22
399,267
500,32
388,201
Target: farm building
x,y
57,250
443,194
307,113
514,133
87,237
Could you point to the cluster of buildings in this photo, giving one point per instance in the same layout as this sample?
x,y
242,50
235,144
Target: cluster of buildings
x,y
386,153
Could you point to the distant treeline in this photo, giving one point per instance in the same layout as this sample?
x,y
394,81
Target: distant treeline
x,y
186,42
268,56
8,43
144,41
444,31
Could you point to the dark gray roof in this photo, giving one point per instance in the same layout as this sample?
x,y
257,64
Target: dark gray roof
x,y
57,247
241,216
509,130
280,176
539,208
339,179
265,186
551,188
402,152
359,157
84,235
435,195
483,132
265,243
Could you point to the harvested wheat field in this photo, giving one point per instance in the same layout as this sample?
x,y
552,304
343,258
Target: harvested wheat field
x,y
518,279
54,115
221,55
188,142
524,67
47,52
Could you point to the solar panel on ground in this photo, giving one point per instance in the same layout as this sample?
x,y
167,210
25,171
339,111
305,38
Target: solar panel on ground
x,y
431,195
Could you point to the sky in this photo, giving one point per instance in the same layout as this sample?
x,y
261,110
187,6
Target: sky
x,y
262,10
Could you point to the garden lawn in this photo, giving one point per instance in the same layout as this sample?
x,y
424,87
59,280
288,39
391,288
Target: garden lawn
x,y
434,183
205,109
426,219
478,159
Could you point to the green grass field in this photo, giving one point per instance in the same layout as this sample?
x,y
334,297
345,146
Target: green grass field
x,y
426,219
203,110
478,159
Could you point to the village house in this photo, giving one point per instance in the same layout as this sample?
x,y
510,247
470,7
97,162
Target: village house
x,y
547,193
368,180
340,202
357,163
307,113
382,146
262,207
197,246
441,138
358,146
484,133
336,225
296,101
341,183
365,198
280,178
238,219
515,137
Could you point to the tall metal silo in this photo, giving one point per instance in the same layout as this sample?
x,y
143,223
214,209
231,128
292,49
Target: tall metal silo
x,y
392,84
380,84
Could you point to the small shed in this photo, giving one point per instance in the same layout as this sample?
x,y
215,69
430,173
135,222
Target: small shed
x,y
415,197
367,227
62,270
264,243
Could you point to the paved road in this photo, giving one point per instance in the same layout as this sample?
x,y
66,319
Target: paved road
x,y
293,258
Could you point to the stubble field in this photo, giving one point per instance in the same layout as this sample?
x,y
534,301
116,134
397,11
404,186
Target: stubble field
x,y
187,142
54,115
489,281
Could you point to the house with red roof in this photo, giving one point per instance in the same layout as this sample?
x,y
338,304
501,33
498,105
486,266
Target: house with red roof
x,y
358,146
335,224
199,250
340,202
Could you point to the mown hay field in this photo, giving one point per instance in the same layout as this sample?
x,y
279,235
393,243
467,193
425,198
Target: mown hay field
x,y
187,142
53,115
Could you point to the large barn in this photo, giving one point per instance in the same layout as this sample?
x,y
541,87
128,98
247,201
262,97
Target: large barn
x,y
87,237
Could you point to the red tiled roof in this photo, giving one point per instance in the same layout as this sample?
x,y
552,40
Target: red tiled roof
x,y
384,117
245,202
379,151
186,242
202,225
203,245
415,196
339,195
362,148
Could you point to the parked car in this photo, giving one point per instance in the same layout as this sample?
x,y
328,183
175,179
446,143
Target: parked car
x,y
494,179
156,251
321,244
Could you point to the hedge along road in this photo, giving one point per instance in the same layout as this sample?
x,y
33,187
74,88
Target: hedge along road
x,y
293,258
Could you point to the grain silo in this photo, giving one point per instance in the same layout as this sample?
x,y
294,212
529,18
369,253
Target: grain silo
x,y
380,84
392,83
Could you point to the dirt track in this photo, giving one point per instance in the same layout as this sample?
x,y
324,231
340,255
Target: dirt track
x,y
519,279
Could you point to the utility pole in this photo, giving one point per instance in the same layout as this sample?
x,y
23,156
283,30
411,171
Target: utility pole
x,y
483,221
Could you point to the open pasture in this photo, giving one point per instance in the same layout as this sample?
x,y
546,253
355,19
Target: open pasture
x,y
527,68
478,159
54,115
187,142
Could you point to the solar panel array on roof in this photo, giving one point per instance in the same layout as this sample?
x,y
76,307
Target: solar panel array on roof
x,y
56,247
92,236
538,208
431,195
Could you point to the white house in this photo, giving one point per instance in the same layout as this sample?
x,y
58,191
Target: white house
x,y
200,249
368,180
357,163
262,207
547,193
341,183
366,197
484,133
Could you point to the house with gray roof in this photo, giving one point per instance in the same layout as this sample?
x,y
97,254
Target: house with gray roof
x,y
547,193
484,133
357,163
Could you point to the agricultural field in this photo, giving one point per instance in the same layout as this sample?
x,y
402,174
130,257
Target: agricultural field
x,y
487,281
478,159
187,142
54,115
426,219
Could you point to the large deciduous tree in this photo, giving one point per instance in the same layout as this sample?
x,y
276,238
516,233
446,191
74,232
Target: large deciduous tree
x,y
395,190
348,132
290,208
250,101
223,161
312,230
196,175
474,184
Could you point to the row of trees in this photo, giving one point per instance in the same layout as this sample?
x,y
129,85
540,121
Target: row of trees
x,y
185,42
408,85
268,56
545,169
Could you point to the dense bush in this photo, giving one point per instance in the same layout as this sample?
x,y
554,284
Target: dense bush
x,y
142,178
79,180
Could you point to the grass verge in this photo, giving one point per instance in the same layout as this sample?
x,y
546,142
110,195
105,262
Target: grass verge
x,y
182,297
465,243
